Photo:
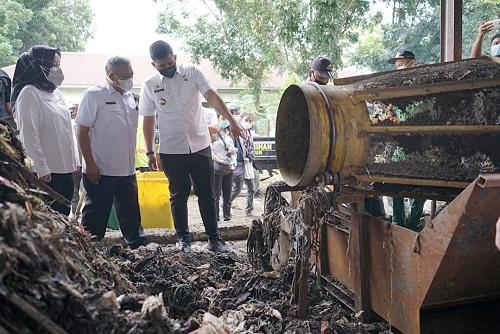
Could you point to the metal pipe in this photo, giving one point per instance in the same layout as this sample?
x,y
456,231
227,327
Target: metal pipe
x,y
444,141
489,181
412,181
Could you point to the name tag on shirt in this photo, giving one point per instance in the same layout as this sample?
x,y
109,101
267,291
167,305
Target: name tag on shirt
x,y
110,102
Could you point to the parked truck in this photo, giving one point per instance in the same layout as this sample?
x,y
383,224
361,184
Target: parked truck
x,y
265,158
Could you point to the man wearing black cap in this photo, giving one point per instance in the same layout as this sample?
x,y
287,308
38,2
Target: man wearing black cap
x,y
320,71
173,95
403,59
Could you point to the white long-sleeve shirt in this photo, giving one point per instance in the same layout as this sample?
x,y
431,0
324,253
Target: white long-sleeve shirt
x,y
45,128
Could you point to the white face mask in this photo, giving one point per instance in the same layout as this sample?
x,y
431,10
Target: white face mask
x,y
495,50
56,76
126,84
246,125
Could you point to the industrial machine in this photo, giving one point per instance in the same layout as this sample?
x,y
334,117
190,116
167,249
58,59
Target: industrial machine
x,y
429,132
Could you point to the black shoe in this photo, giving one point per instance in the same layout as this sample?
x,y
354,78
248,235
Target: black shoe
x,y
142,241
184,244
218,246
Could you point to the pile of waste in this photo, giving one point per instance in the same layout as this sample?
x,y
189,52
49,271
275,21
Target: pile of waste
x,y
52,277
447,72
55,279
223,293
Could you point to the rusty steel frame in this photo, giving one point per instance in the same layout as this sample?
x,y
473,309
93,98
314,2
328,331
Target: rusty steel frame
x,y
446,277
422,90
440,129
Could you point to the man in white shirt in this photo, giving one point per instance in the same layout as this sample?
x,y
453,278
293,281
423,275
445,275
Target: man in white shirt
x,y
107,127
173,94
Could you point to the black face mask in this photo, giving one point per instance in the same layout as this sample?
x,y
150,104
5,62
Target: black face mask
x,y
318,82
169,72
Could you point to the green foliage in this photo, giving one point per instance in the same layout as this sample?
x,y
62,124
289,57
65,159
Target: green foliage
x,y
266,112
416,26
59,23
245,39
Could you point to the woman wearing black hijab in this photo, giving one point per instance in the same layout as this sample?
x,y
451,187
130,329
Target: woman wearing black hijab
x,y
44,119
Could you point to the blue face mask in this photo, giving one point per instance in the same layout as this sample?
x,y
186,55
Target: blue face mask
x,y
495,50
224,124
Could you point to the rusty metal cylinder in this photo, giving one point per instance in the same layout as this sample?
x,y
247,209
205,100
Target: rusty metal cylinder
x,y
435,125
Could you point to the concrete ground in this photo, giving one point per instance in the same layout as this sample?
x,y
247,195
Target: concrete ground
x,y
238,212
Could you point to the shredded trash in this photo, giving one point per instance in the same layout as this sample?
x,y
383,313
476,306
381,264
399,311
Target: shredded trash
x,y
55,279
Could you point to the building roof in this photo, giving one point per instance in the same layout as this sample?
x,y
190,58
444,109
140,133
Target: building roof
x,y
87,69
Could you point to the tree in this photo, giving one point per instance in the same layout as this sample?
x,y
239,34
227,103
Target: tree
x,y
416,26
60,23
245,39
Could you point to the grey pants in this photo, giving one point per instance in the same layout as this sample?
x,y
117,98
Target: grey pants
x,y
238,179
223,187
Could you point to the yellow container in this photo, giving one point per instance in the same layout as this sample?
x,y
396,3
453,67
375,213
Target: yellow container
x,y
154,200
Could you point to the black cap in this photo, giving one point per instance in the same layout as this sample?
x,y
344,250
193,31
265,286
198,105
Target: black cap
x,y
159,50
402,54
323,65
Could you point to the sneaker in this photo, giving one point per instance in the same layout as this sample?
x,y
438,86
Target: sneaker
x,y
218,246
184,245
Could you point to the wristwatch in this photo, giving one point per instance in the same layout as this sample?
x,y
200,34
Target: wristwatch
x,y
148,153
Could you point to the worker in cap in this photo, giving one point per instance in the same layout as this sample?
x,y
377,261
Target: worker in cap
x,y
320,71
403,59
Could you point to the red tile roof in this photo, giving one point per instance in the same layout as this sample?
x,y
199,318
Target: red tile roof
x,y
87,69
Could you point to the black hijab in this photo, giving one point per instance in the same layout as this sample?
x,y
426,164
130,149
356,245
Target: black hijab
x,y
3,74
32,68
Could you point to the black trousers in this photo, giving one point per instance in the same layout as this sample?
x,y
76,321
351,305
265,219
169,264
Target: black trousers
x,y
180,169
63,184
120,190
223,186
77,179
